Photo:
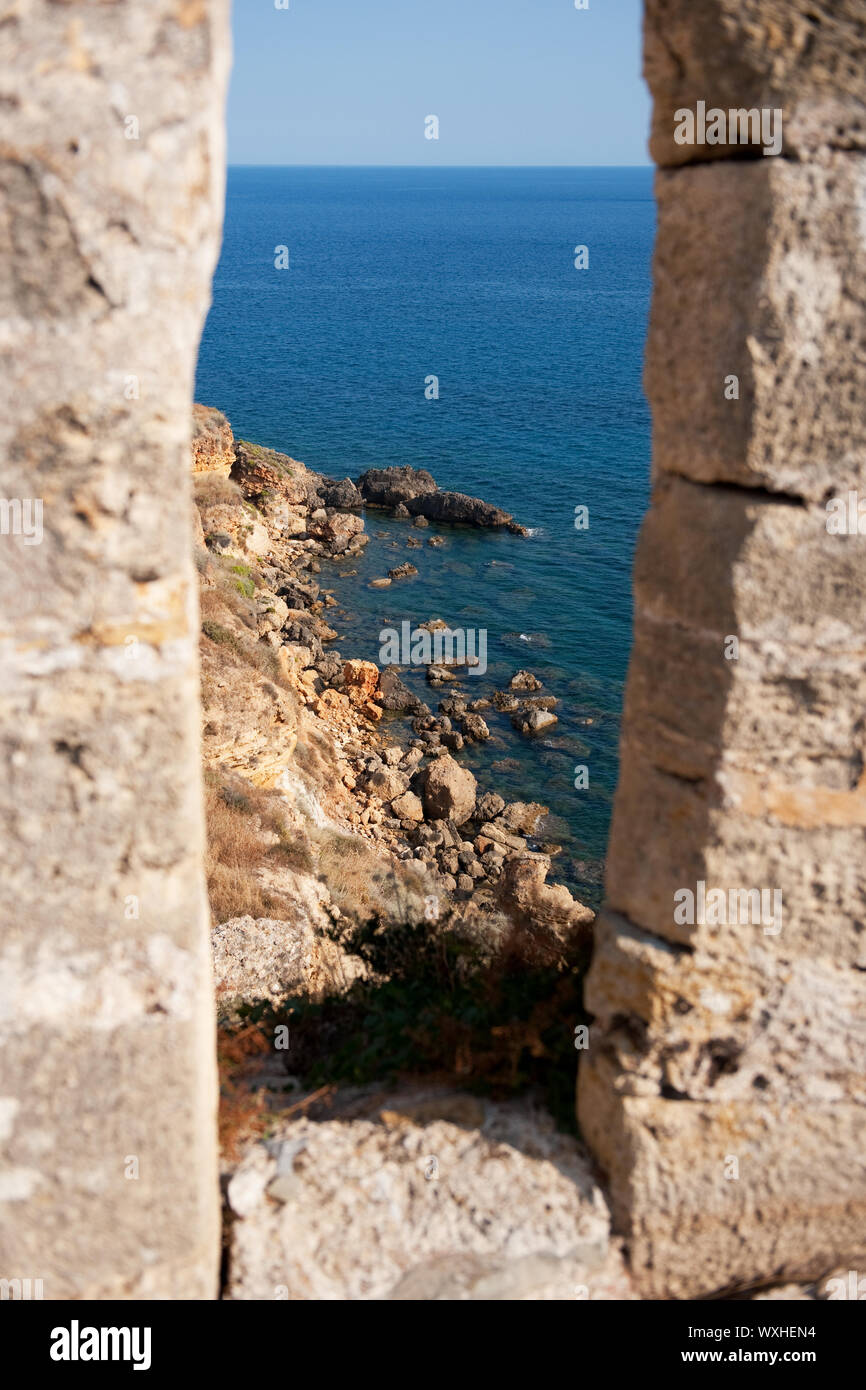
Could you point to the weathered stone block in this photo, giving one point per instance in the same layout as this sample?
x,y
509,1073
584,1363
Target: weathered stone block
x,y
758,272
721,1196
742,54
111,188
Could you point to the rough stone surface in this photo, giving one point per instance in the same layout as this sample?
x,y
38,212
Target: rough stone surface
x,y
435,1196
108,1027
807,59
264,959
722,1090
250,723
448,791
213,446
781,308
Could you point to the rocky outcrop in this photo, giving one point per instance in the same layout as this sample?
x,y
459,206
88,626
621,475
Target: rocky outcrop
x,y
342,494
213,445
457,507
265,959
719,1095
523,886
391,487
414,492
250,724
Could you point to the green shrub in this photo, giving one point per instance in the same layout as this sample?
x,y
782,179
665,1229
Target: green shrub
x,y
433,1004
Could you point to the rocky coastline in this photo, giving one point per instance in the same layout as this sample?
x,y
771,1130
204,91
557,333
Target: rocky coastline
x,y
264,526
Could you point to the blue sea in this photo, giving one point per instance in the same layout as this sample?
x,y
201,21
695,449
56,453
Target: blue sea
x,y
399,274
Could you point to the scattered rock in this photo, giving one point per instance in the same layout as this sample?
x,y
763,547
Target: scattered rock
x,y
514,843
522,817
475,728
524,680
448,791
408,807
533,721
489,806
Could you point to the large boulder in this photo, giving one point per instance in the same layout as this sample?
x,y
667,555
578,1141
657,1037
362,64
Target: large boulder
x,y
336,529
395,695
457,507
387,783
523,887
448,791
261,958
343,494
360,681
533,721
387,487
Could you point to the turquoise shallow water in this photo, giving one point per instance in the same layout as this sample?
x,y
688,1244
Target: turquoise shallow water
x,y
468,274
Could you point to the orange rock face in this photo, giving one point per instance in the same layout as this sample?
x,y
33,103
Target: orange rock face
x,y
213,444
362,686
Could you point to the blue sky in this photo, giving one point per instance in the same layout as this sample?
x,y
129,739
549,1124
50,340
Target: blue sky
x,y
511,82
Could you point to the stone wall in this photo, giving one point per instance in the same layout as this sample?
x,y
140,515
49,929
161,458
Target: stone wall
x,y
723,1089
111,187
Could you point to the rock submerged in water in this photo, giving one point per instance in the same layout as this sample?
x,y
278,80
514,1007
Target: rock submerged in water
x,y
392,487
413,492
395,695
524,680
533,721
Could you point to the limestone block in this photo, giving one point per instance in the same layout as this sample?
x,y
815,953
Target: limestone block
x,y
437,1196
111,185
720,1196
758,276
752,766
718,1025
806,59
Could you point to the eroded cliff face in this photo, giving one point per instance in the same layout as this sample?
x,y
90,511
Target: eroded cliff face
x,y
722,1090
212,442
111,199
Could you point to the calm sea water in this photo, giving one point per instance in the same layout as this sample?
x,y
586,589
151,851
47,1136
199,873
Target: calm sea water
x,y
466,274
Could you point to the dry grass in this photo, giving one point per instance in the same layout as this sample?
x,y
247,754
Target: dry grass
x,y
243,1108
364,883
241,822
212,488
222,640
236,847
